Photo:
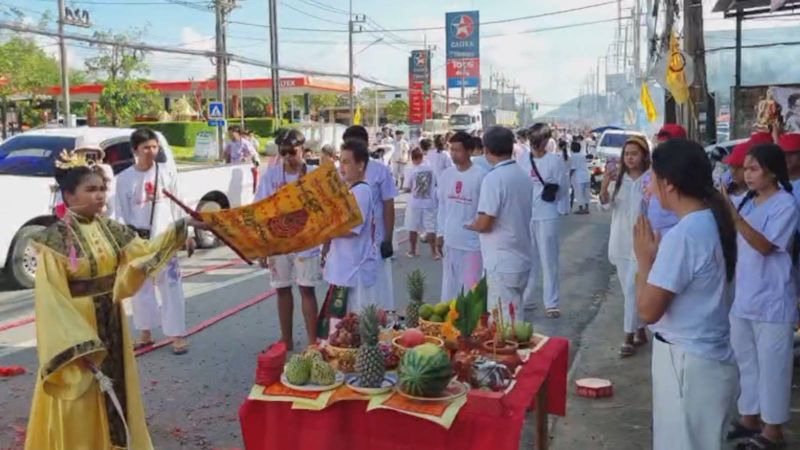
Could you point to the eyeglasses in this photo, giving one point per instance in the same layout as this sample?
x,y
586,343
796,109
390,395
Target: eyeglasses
x,y
286,151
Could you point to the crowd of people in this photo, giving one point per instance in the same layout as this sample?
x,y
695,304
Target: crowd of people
x,y
708,265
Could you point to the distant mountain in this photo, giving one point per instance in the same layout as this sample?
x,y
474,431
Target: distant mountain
x,y
766,65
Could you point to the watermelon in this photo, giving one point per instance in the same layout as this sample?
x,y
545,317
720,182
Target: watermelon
x,y
425,371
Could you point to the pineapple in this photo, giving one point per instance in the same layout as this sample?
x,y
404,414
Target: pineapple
x,y
415,284
369,361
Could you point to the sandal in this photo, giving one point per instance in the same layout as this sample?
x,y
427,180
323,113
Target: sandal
x,y
411,255
640,341
553,313
739,431
143,344
761,442
180,350
627,350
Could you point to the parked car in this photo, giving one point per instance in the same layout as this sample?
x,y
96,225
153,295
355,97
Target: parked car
x,y
609,146
26,176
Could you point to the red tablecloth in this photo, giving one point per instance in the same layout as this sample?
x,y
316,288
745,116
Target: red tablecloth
x,y
347,425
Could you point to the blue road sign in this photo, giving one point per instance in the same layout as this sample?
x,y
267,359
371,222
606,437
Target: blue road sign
x,y
216,122
468,82
216,110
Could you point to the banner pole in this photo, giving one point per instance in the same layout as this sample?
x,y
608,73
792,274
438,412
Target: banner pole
x,y
195,215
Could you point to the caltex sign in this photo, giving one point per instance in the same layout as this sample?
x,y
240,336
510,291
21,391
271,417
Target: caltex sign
x,y
462,35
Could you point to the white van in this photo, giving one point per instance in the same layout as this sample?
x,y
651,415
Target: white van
x,y
609,146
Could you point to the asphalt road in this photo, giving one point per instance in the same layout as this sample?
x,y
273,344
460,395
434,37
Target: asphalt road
x,y
192,400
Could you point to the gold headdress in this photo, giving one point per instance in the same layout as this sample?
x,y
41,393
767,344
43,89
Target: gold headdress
x,y
72,159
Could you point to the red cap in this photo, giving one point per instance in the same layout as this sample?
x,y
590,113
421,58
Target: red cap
x,y
736,158
759,138
672,131
790,142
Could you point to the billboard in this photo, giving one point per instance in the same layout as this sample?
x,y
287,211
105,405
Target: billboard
x,y
463,49
420,103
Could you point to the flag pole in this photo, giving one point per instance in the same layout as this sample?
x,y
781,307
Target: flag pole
x,y
195,215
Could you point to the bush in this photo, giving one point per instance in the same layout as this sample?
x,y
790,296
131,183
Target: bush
x,y
184,133
177,133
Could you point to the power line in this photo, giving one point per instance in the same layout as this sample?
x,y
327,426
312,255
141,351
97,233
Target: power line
x,y
134,3
308,14
325,7
492,22
559,27
204,53
733,47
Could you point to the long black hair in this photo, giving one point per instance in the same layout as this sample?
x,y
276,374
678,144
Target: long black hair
x,y
772,160
68,180
684,164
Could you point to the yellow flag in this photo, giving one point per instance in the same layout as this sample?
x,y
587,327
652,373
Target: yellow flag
x,y
298,216
676,71
647,103
357,116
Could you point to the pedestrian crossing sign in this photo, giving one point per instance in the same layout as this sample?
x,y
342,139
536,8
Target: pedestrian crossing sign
x,y
216,110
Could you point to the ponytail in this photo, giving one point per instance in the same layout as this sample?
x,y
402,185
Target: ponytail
x,y
747,197
725,227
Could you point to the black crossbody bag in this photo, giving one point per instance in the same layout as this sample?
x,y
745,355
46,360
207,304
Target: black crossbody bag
x,y
550,189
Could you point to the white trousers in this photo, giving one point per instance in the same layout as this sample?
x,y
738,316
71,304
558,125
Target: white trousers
x,y
692,399
626,272
544,240
461,269
168,310
384,287
360,296
581,191
764,353
508,288
563,200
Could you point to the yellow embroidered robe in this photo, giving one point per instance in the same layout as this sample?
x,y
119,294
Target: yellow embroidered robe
x,y
79,315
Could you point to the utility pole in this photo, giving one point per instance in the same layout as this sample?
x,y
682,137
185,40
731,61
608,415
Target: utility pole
x,y
273,59
221,10
350,31
62,48
699,116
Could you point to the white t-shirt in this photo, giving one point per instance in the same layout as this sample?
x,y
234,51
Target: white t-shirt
x,y
459,193
765,285
690,264
354,259
380,179
552,168
422,182
439,161
134,198
272,179
625,210
579,165
400,153
481,162
241,151
506,195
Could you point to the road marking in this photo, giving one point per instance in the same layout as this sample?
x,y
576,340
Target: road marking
x,y
210,287
18,347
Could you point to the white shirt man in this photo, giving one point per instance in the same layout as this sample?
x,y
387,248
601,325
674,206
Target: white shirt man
x,y
238,149
379,178
301,268
459,191
504,214
399,157
544,218
140,203
352,261
544,221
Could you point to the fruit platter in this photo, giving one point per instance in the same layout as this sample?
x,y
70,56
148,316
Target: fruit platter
x,y
310,372
388,383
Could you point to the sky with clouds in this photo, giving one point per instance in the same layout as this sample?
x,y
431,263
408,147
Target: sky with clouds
x,y
550,66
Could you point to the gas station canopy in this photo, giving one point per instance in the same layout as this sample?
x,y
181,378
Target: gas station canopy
x,y
749,8
252,87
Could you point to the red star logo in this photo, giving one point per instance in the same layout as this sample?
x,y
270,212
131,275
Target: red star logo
x,y
463,27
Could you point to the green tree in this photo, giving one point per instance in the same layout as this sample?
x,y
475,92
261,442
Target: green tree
x,y
320,101
122,69
397,111
25,70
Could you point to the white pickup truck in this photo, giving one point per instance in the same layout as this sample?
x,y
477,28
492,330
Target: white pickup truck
x,y
28,188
